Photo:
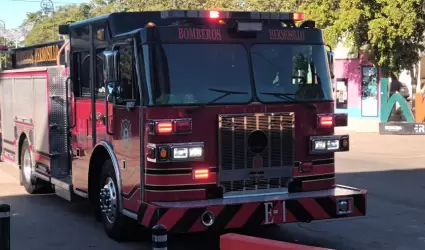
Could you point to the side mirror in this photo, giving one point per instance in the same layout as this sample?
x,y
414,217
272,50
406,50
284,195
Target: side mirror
x,y
63,29
111,66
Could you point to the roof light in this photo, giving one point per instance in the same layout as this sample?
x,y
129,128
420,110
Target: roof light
x,y
244,26
244,15
150,24
298,16
214,14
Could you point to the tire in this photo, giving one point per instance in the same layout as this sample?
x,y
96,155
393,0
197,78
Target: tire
x,y
116,225
28,180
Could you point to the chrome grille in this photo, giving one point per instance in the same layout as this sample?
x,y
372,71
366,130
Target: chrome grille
x,y
247,185
236,160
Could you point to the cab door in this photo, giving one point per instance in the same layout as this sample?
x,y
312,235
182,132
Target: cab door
x,y
126,134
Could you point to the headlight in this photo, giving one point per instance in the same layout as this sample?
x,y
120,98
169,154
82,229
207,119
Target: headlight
x,y
332,144
325,144
184,153
319,145
180,153
195,152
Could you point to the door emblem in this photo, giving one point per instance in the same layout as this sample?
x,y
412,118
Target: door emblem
x,y
126,134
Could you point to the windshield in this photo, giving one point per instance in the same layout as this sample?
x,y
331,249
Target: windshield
x,y
298,71
194,72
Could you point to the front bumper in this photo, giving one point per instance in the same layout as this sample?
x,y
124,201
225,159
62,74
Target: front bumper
x,y
256,210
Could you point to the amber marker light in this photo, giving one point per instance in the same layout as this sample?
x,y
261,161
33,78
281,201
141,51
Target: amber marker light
x,y
201,173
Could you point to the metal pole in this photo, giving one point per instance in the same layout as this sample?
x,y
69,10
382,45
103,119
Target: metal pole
x,y
4,227
159,237
47,7
53,21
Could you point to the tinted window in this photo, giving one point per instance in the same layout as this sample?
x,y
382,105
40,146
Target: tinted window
x,y
85,74
188,72
298,71
128,88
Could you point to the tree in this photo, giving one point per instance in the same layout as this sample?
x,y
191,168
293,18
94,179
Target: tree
x,y
391,31
43,25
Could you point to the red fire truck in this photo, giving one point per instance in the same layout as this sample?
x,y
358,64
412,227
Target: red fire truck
x,y
197,120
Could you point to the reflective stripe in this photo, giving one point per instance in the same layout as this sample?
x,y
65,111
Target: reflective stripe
x,y
159,238
4,214
159,248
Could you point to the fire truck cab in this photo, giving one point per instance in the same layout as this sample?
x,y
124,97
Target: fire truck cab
x,y
197,120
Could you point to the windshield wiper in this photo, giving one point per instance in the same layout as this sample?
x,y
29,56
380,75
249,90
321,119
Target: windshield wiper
x,y
288,97
224,94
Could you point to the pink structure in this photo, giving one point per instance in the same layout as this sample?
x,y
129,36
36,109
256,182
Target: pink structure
x,y
361,100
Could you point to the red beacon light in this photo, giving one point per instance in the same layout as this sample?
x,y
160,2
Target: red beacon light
x,y
298,17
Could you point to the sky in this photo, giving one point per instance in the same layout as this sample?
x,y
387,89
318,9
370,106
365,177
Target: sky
x,y
13,12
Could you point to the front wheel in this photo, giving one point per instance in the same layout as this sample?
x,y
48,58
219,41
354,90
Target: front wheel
x,y
28,180
116,225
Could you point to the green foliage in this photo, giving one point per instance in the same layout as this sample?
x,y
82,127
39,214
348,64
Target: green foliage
x,y
392,31
43,25
5,60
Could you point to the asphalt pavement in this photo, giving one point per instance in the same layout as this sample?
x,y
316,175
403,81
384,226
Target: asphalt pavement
x,y
390,167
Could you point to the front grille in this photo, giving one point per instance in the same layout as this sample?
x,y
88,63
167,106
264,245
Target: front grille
x,y
248,185
272,162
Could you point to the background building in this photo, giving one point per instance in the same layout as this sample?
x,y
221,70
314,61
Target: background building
x,y
357,89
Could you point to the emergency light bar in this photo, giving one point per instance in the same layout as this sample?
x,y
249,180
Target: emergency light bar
x,y
245,15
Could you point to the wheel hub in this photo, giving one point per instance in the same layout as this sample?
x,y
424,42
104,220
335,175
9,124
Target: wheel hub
x,y
108,200
26,165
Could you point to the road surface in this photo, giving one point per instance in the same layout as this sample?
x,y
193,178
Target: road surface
x,y
390,167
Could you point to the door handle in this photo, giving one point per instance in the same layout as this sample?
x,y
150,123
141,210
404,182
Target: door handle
x,y
106,117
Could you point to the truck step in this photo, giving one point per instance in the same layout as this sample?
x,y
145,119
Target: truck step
x,y
63,187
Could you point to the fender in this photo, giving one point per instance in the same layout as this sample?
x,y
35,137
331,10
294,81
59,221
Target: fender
x,y
106,145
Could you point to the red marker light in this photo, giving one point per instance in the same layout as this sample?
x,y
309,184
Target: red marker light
x,y
298,16
164,127
326,121
214,14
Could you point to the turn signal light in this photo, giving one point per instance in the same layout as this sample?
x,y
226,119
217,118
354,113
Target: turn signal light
x,y
163,153
326,121
201,173
168,127
164,127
